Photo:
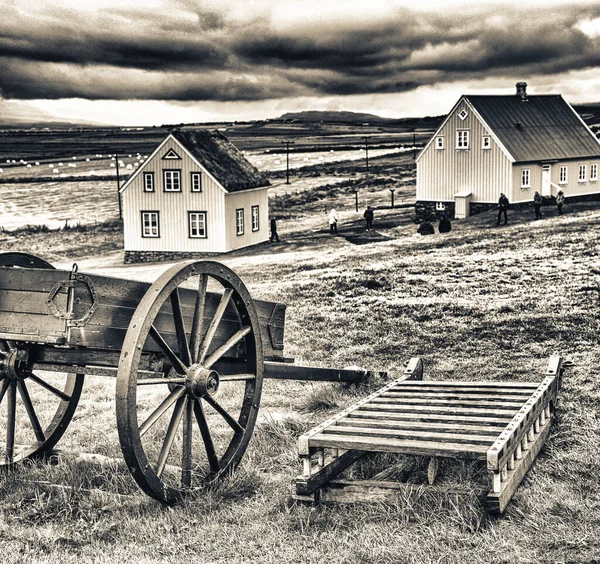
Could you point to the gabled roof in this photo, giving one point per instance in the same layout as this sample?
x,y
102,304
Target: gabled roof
x,y
540,128
222,159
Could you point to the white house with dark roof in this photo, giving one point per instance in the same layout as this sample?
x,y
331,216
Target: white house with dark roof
x,y
195,195
516,144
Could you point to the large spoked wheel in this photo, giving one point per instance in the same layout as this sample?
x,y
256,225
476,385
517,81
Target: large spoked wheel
x,y
191,422
39,407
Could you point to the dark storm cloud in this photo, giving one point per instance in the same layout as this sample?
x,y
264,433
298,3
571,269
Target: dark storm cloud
x,y
191,53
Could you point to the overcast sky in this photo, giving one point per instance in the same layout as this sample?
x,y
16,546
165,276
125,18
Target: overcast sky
x,y
168,61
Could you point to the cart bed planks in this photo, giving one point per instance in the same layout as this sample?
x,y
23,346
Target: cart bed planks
x,y
503,424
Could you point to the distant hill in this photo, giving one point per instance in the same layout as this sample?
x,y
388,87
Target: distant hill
x,y
332,116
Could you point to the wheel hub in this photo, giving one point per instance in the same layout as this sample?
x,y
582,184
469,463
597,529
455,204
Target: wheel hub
x,y
13,364
201,381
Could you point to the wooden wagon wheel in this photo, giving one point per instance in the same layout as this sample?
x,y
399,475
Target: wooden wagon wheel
x,y
216,412
16,376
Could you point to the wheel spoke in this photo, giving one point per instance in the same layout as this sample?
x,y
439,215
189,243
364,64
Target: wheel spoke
x,y
213,460
5,384
234,340
167,351
184,349
152,381
33,418
198,317
160,410
219,409
49,387
186,454
237,377
170,436
214,324
10,422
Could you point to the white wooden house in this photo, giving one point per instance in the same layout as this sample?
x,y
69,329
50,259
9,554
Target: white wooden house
x,y
195,195
515,144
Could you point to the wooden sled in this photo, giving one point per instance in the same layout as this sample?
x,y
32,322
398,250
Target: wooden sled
x,y
504,424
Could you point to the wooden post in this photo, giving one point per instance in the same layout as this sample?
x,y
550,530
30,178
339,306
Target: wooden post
x,y
118,186
287,159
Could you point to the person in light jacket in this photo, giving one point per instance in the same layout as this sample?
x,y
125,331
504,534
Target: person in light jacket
x,y
333,219
537,204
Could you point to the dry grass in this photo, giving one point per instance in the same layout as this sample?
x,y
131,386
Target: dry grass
x,y
481,302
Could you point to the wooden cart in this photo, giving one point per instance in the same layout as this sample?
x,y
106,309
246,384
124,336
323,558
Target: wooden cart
x,y
504,424
189,354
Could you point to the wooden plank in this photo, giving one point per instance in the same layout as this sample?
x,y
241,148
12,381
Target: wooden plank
x,y
445,427
31,324
491,396
518,391
306,485
405,416
376,444
31,279
377,491
441,409
497,502
466,384
12,301
401,434
50,339
279,371
448,402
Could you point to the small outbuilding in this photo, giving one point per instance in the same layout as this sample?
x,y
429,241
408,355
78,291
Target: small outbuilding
x,y
515,144
196,195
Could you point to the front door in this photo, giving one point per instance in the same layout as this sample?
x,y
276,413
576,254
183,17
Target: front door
x,y
546,186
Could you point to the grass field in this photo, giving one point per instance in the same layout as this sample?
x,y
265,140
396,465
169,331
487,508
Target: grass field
x,y
482,302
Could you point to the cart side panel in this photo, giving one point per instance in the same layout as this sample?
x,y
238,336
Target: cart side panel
x,y
24,311
102,309
116,301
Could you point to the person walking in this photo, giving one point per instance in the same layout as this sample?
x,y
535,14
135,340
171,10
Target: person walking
x,y
502,207
333,219
537,204
368,215
274,236
560,201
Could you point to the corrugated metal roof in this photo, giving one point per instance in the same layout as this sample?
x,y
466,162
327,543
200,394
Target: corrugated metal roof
x,y
222,159
541,128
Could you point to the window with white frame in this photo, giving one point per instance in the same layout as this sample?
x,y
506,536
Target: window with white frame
x,y
440,206
462,139
526,178
197,224
563,177
582,173
196,180
594,172
150,227
255,218
463,114
148,182
172,180
239,221
439,142
486,142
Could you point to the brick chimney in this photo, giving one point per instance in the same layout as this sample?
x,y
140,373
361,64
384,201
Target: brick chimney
x,y
522,90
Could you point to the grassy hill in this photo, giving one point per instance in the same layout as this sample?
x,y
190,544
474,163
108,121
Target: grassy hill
x,y
482,302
